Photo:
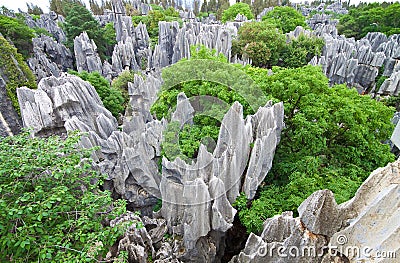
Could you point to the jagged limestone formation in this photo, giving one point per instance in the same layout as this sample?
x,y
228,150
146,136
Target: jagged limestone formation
x,y
358,229
174,42
348,61
128,157
50,58
323,24
86,55
62,104
49,22
197,197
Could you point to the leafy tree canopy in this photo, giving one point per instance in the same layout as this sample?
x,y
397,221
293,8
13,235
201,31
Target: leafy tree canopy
x,y
267,46
285,18
14,70
333,139
238,8
78,20
260,41
373,17
18,33
50,209
61,6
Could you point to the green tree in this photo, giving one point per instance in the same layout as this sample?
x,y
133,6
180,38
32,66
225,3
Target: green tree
x,y
60,6
16,31
260,41
372,17
78,20
238,8
285,18
333,139
205,126
34,9
14,70
299,51
51,207
114,99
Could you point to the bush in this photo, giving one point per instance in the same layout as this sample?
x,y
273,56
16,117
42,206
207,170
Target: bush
x,y
285,18
332,140
260,41
238,8
51,208
19,33
78,20
15,71
299,51
114,99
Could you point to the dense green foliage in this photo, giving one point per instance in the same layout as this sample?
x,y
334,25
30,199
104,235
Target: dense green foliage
x,y
14,70
114,99
152,19
19,33
78,20
261,42
61,6
267,46
238,8
185,141
121,82
51,208
285,18
373,17
332,140
299,51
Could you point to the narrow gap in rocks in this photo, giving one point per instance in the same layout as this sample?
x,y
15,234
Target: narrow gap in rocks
x,y
235,240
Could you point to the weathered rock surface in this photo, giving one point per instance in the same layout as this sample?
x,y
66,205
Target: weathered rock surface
x,y
356,230
62,104
50,23
86,55
127,156
50,58
197,197
10,123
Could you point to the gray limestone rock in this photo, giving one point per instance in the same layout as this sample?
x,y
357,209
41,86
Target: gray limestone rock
x,y
49,22
50,58
319,213
184,110
58,100
357,230
86,55
136,240
267,124
197,197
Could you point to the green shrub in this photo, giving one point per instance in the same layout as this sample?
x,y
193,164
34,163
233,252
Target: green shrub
x,y
15,71
114,99
285,18
51,208
260,41
238,8
299,51
19,33
121,82
332,140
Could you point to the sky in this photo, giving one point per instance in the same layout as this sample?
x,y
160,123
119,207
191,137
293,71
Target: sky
x,y
44,4
15,4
